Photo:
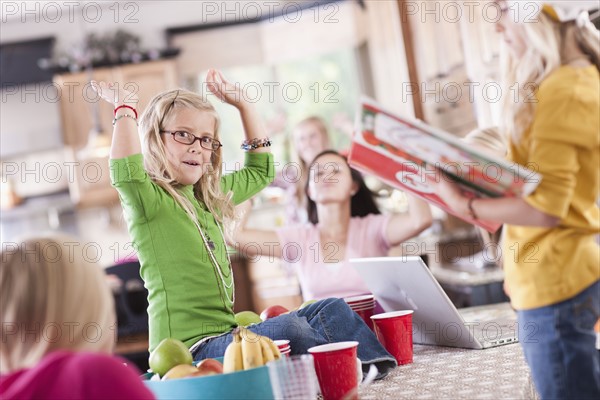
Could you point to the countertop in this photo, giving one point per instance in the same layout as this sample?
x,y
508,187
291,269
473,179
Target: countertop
x,y
56,202
452,373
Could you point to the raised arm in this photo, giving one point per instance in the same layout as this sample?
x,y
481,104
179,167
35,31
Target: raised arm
x,y
125,140
258,171
404,226
232,94
252,242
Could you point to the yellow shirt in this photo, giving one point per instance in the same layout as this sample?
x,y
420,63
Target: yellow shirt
x,y
544,266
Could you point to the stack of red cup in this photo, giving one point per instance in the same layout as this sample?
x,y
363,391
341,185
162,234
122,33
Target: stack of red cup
x,y
363,306
284,347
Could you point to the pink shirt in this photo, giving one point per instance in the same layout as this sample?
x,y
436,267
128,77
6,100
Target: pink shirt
x,y
66,375
321,279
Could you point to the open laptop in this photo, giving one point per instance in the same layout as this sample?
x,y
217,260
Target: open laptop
x,y
405,283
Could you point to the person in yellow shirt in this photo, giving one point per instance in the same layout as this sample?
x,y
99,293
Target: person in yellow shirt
x,y
551,258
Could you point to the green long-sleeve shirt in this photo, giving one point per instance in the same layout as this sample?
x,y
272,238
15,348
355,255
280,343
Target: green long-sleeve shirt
x,y
185,295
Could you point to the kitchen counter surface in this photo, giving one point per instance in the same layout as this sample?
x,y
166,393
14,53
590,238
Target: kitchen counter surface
x,y
55,202
445,372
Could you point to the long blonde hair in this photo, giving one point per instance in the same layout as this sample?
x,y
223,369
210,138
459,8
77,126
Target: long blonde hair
x,y
51,299
488,139
301,183
544,54
208,189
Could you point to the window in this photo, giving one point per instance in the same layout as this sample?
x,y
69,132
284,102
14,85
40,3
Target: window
x,y
326,85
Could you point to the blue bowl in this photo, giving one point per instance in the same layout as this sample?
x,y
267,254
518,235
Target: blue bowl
x,y
250,384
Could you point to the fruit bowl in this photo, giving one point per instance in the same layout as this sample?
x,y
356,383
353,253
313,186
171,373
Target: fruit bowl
x,y
249,384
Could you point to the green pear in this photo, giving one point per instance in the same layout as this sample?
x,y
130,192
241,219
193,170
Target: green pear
x,y
169,353
245,318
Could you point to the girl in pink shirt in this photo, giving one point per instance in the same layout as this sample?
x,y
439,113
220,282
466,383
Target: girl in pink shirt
x,y
344,223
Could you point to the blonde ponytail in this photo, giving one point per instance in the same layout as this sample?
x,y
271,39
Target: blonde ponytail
x,y
588,40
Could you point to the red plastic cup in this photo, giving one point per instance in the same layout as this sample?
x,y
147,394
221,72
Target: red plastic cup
x,y
335,365
282,344
366,315
394,331
355,300
365,305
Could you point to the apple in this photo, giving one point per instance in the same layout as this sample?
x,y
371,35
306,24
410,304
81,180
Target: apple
x,y
180,371
209,366
306,303
169,353
245,318
272,312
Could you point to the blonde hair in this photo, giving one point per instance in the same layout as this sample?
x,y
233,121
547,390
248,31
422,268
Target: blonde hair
x,y
301,183
544,54
489,139
208,189
51,299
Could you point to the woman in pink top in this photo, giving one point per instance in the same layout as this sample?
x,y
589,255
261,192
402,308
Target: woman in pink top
x,y
344,223
58,326
310,137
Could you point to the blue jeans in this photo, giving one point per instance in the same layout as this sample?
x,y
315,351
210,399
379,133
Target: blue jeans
x,y
326,321
559,345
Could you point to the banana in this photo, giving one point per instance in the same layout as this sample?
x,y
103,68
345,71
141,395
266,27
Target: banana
x,y
248,350
232,360
251,349
274,348
267,351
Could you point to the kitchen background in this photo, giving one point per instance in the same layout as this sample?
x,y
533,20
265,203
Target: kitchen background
x,y
437,61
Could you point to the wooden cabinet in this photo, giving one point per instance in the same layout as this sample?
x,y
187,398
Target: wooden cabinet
x,y
148,79
83,111
272,284
78,102
271,281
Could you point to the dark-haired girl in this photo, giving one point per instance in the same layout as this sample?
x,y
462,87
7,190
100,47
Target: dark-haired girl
x,y
345,223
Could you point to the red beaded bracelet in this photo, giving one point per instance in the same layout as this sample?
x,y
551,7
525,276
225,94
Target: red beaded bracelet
x,y
126,106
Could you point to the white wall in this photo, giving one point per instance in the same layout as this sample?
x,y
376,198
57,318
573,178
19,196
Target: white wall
x,y
148,19
29,120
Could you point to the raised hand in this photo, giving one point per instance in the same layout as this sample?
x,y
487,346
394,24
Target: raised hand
x,y
114,93
125,140
224,90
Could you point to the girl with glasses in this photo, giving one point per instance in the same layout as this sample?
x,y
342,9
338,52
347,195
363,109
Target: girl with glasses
x,y
175,201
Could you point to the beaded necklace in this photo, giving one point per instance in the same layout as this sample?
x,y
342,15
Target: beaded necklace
x,y
210,247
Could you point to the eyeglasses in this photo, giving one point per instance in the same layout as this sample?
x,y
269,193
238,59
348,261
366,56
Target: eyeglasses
x,y
206,142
